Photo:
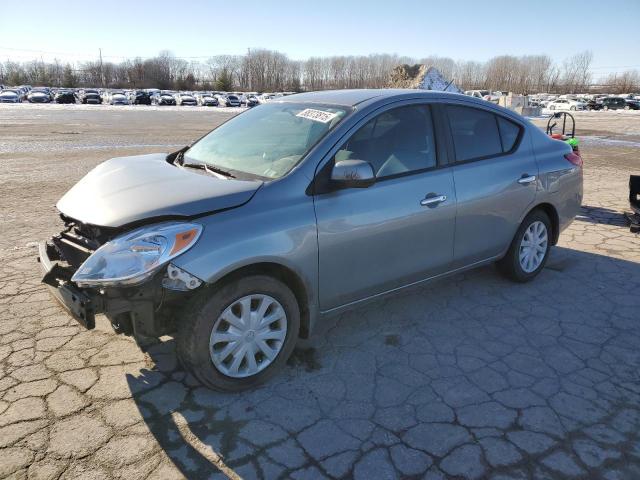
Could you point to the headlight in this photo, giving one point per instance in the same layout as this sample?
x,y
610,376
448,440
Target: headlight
x,y
135,256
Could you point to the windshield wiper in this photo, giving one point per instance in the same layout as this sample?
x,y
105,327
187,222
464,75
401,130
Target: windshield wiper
x,y
179,159
209,169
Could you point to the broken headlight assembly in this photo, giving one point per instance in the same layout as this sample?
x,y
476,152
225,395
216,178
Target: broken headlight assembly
x,y
133,257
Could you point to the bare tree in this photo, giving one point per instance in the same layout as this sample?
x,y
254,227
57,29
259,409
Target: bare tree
x,y
270,70
576,74
625,82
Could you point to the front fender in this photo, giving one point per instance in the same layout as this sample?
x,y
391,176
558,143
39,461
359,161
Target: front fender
x,y
277,226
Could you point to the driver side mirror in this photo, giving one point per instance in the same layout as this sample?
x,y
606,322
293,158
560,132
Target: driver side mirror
x,y
352,174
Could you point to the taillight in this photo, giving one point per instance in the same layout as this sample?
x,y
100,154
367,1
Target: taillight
x,y
574,158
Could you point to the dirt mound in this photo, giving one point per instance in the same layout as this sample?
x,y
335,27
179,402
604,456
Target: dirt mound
x,y
407,76
420,77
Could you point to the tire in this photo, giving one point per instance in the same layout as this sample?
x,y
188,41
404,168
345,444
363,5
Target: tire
x,y
510,266
627,107
203,314
552,107
605,108
573,109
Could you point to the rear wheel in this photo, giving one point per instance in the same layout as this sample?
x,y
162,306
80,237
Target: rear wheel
x,y
239,335
529,249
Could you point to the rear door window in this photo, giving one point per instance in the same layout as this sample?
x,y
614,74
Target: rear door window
x,y
475,133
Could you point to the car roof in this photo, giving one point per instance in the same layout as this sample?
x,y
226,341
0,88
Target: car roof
x,y
351,98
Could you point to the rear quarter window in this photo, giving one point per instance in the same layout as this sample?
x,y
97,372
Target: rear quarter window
x,y
509,133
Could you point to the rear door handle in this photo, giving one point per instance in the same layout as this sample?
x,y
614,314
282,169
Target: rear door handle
x,y
433,200
527,179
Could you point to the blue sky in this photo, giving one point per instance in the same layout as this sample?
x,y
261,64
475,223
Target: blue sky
x,y
470,30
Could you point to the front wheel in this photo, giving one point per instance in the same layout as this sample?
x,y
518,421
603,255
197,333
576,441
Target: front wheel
x,y
239,335
529,249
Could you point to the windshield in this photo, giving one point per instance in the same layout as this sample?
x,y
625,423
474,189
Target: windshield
x,y
268,140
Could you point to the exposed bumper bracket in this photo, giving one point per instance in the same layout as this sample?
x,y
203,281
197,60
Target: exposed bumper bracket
x,y
80,305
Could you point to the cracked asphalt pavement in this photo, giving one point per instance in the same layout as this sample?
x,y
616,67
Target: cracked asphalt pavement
x,y
469,377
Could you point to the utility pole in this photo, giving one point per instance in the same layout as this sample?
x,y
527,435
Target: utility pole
x,y
249,70
101,72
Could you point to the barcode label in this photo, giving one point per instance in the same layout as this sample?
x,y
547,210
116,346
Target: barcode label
x,y
317,115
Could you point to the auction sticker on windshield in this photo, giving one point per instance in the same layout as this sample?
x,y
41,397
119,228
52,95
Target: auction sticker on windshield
x,y
317,115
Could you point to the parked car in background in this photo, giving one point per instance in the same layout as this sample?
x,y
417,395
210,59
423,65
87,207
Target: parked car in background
x,y
266,97
477,93
206,99
242,98
619,103
65,96
252,101
117,97
39,95
89,96
487,95
565,104
163,98
185,98
266,235
10,95
228,100
592,105
140,97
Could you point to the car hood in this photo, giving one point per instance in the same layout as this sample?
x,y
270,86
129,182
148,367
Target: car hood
x,y
129,190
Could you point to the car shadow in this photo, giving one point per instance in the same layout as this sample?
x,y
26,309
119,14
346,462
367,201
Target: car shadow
x,y
346,374
601,215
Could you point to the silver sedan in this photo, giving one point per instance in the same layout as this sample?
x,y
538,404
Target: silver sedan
x,y
301,208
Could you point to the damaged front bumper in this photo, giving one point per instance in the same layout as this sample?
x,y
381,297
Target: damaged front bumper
x,y
147,310
81,306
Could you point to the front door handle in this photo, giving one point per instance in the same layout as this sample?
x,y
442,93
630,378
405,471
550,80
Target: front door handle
x,y
433,200
527,179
